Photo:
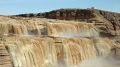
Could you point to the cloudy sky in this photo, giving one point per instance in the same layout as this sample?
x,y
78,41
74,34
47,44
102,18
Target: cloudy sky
x,y
10,7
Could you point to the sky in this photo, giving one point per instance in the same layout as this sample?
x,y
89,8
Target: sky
x,y
12,7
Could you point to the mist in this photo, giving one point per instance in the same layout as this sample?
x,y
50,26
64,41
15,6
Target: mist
x,y
110,60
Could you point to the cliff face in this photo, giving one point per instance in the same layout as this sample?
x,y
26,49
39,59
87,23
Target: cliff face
x,y
64,14
108,23
112,21
70,14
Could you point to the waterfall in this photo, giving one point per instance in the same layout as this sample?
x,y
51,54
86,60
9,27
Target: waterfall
x,y
72,29
40,43
45,52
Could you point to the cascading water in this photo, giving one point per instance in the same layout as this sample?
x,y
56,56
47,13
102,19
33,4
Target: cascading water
x,y
46,52
63,44
19,29
72,29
